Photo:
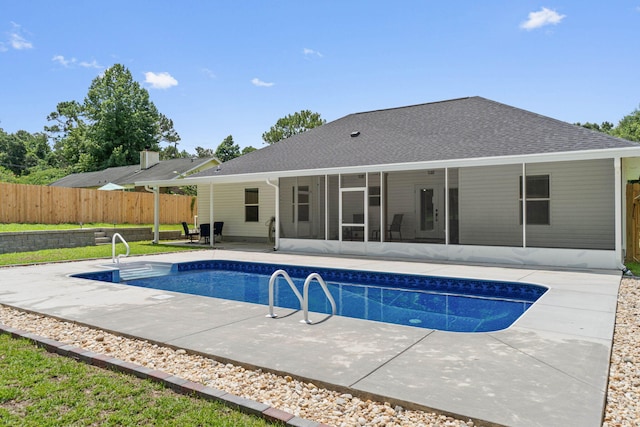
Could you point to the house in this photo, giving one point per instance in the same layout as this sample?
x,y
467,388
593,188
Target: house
x,y
441,181
150,168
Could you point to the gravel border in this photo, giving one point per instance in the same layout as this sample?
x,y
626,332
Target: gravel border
x,y
623,393
293,402
274,397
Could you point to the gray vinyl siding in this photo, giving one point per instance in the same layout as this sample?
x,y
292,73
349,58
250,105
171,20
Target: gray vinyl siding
x,y
228,206
581,205
488,206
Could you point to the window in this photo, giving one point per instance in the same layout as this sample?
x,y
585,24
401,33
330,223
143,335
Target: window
x,y
538,201
300,202
251,213
374,196
303,203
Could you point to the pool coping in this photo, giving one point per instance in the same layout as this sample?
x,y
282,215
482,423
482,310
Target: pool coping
x,y
549,368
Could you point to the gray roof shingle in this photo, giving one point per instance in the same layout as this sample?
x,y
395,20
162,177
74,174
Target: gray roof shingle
x,y
464,128
128,175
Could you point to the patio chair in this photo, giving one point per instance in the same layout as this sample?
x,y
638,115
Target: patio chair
x,y
217,229
189,233
395,226
205,231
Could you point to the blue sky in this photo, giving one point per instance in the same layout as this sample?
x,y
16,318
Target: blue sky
x,y
234,68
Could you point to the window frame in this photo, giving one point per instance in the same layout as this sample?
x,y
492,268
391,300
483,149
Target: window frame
x,y
535,202
251,207
303,203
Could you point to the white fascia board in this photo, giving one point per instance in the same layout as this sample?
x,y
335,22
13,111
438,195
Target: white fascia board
x,y
437,164
214,161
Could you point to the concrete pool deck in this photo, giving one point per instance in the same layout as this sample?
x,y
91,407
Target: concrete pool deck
x,y
550,368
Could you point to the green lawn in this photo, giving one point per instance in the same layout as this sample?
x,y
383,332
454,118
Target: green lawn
x,y
88,252
42,389
634,267
38,388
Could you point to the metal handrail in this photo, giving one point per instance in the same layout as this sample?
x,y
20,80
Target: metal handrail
x,y
272,281
305,297
113,248
304,300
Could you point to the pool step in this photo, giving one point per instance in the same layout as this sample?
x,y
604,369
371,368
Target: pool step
x,y
130,272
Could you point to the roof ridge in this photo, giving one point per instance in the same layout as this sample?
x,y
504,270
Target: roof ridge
x,y
417,105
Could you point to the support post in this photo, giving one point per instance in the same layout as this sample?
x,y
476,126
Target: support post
x,y
617,191
212,237
156,215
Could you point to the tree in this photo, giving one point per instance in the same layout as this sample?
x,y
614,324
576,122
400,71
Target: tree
x,y
247,150
227,150
605,127
204,152
171,152
291,125
26,158
123,120
168,134
115,122
12,153
6,175
68,134
629,127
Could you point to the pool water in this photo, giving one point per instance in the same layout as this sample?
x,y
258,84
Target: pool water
x,y
448,304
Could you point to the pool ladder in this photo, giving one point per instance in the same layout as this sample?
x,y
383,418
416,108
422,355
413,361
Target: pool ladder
x,y
304,298
115,259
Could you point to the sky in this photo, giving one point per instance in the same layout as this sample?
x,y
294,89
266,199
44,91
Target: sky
x,y
220,68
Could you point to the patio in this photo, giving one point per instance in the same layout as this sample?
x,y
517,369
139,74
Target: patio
x,y
549,368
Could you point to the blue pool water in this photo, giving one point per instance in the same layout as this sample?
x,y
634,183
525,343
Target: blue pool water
x,y
449,304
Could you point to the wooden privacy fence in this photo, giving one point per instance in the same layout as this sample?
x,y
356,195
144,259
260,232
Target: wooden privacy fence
x,y
633,222
54,205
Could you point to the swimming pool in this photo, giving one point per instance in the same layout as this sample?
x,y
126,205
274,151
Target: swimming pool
x,y
443,303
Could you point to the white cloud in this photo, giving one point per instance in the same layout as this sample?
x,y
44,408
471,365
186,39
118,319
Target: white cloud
x,y
207,72
160,80
257,82
92,64
541,18
63,61
15,40
18,42
311,52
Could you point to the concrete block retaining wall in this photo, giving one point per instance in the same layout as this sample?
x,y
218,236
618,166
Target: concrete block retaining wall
x,y
25,241
139,234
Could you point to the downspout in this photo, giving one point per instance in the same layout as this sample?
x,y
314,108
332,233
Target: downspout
x,y
276,240
156,213
524,205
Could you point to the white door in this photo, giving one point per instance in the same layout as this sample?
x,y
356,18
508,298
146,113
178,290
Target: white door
x,y
352,214
429,212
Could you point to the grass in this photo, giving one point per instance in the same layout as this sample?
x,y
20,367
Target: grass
x,y
634,267
87,252
43,389
14,227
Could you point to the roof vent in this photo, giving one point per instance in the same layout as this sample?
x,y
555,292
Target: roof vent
x,y
355,133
